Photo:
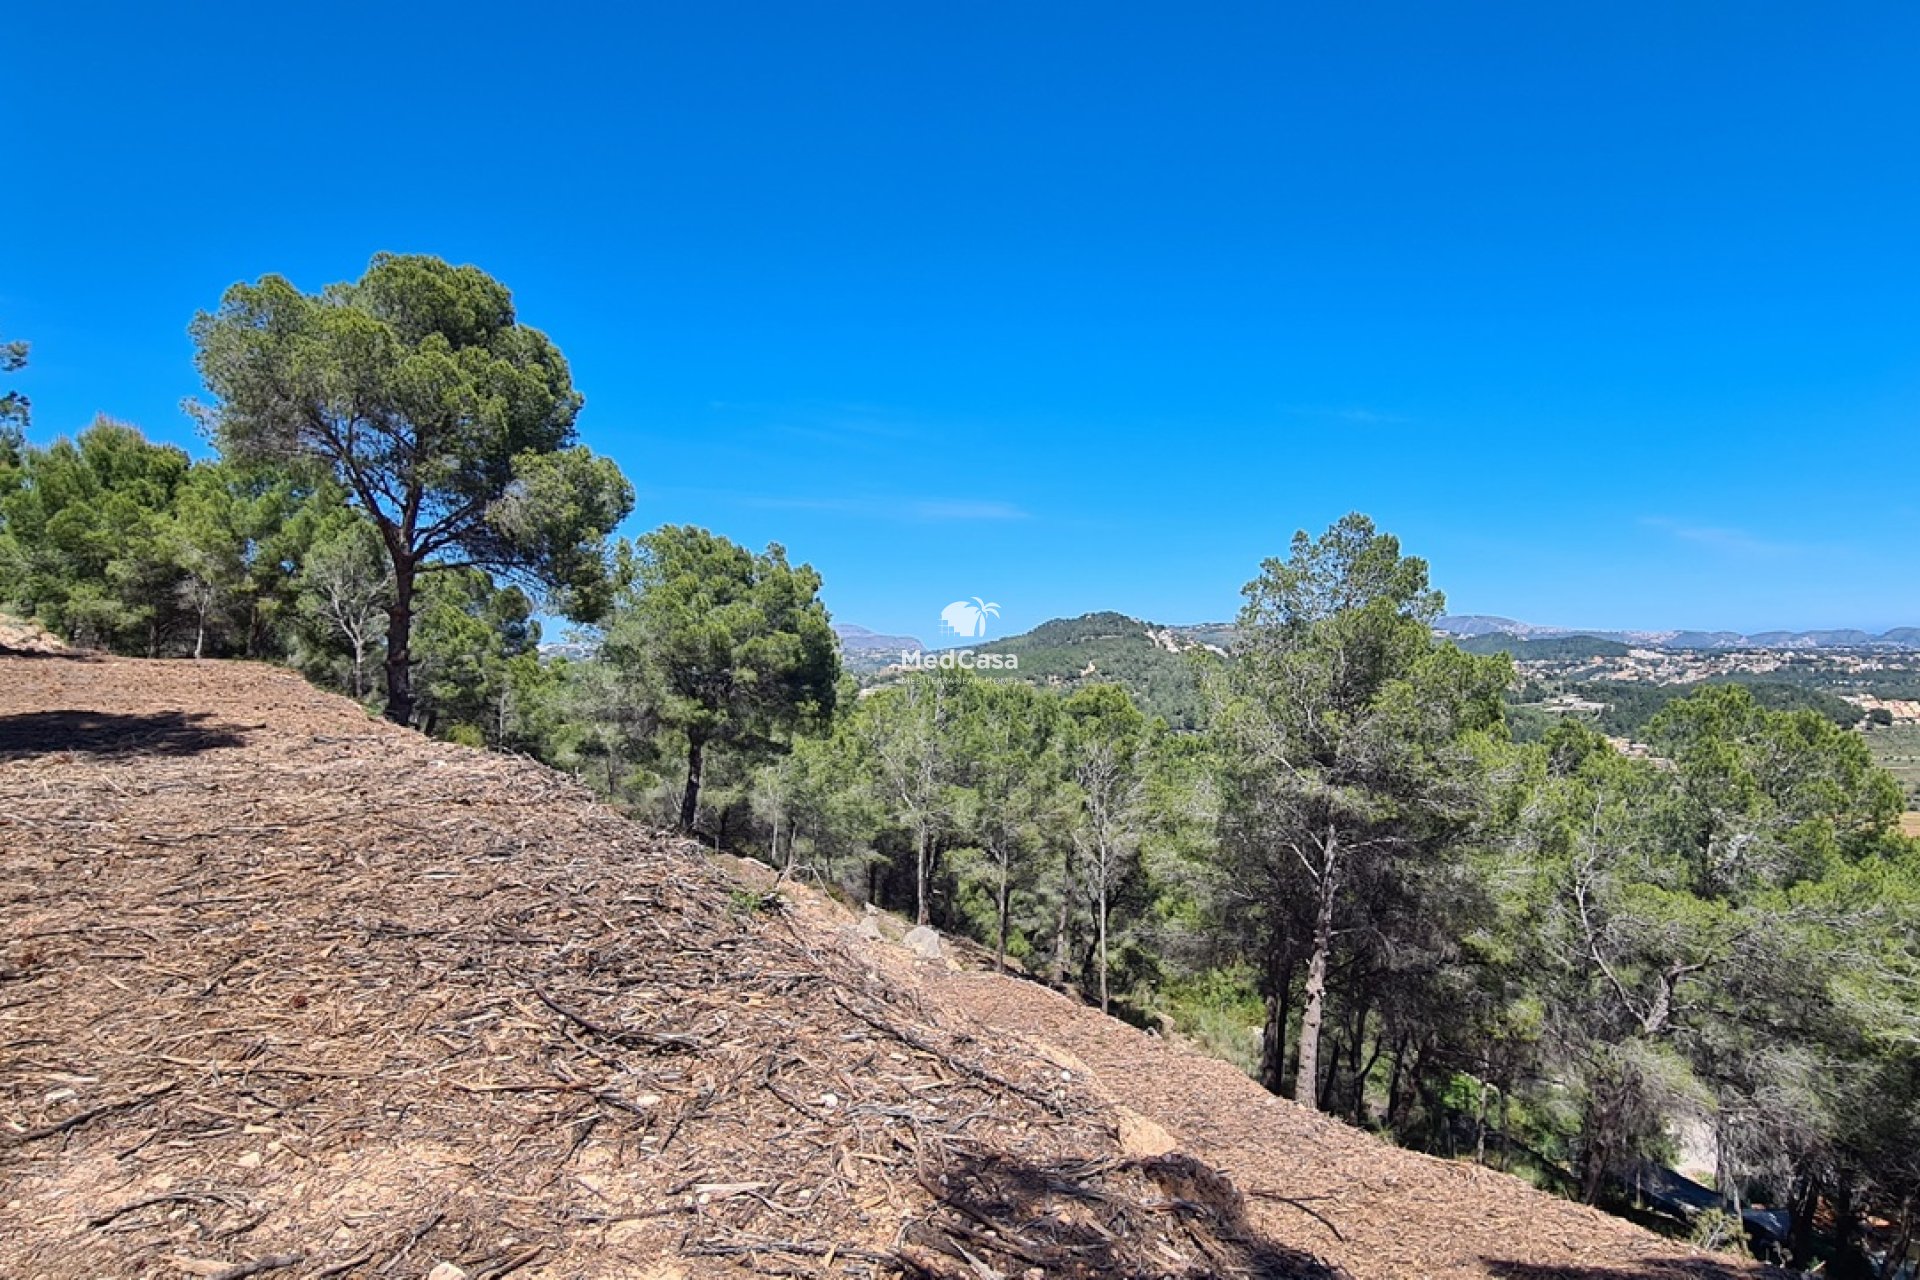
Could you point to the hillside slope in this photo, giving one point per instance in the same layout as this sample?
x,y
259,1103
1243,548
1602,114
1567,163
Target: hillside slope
x,y
1311,1182
288,992
1151,662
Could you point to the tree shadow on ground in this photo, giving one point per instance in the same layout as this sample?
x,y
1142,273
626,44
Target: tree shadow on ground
x,y
105,733
1093,1220
1651,1269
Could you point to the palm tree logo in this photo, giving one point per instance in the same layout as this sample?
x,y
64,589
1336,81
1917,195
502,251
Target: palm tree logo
x,y
968,618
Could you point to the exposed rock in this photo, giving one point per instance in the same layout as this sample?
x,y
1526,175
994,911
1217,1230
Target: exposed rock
x,y
923,942
1141,1137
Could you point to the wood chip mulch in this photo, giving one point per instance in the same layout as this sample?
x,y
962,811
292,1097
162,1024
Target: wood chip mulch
x,y
288,992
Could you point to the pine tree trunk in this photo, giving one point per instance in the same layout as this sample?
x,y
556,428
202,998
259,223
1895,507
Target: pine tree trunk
x,y
1846,1222
399,657
1800,1234
1396,1105
1000,949
1306,1087
1103,945
1273,1041
1060,925
1363,1071
1480,1124
690,798
920,869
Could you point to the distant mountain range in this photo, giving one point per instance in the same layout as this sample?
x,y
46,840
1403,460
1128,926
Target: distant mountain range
x,y
1469,626
857,639
1156,662
1119,646
1488,633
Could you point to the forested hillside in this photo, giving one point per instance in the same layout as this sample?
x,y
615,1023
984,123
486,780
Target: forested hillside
x,y
1153,663
1554,647
1630,707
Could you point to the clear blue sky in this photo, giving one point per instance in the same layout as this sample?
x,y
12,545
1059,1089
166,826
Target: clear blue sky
x,y
1610,311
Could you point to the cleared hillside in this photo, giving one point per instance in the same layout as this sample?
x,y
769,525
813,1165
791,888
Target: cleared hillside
x,y
286,991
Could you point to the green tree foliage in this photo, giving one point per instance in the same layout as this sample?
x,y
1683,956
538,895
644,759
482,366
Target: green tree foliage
x,y
730,649
1699,932
819,802
1631,707
906,735
342,583
1011,799
118,543
16,411
991,807
85,538
473,640
1108,745
1769,798
449,423
237,534
1348,732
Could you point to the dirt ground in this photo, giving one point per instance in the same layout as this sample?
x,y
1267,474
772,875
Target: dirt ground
x,y
285,991
1311,1183
1396,1212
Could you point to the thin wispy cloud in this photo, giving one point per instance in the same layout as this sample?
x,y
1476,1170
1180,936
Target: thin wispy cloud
x,y
1356,414
970,511
1722,538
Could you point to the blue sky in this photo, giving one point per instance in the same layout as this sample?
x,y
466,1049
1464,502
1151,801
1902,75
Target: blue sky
x,y
1612,312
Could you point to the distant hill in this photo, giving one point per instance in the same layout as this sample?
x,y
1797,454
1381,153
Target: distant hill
x,y
1552,648
1707,640
1154,662
856,639
1476,626
866,652
1218,636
